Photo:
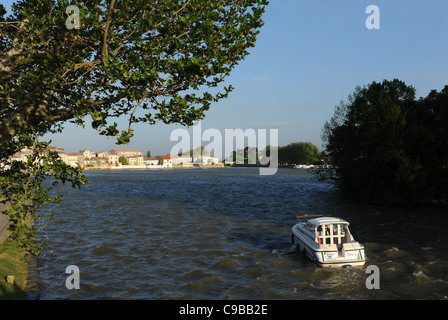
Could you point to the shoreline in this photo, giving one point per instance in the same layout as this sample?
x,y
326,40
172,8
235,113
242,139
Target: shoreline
x,y
31,287
136,167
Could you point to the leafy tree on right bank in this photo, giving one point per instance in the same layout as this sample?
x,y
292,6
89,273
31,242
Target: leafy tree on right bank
x,y
387,147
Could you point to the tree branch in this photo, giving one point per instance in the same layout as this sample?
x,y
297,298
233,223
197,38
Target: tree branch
x,y
15,57
106,29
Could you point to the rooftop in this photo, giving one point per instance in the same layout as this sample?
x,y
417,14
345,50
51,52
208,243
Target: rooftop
x,y
127,150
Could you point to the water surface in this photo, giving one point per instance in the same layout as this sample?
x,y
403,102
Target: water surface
x,y
225,234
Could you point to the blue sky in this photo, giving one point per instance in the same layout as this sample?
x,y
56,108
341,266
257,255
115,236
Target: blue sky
x,y
309,56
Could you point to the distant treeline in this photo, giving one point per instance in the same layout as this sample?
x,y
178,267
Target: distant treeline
x,y
388,147
291,154
299,153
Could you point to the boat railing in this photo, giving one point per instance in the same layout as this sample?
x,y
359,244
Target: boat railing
x,y
333,234
327,234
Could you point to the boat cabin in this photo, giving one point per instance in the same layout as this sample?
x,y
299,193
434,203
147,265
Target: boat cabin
x,y
328,231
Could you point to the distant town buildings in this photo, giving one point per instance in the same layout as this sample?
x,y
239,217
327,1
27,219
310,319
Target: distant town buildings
x,y
126,152
125,158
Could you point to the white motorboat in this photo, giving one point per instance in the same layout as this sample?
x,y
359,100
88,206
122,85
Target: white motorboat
x,y
327,241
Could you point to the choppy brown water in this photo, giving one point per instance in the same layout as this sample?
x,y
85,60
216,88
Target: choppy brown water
x,y
225,234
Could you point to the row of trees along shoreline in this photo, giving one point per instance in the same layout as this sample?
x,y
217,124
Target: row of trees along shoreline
x,y
292,154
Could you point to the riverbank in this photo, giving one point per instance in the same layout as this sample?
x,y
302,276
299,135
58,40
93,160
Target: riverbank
x,y
12,263
23,285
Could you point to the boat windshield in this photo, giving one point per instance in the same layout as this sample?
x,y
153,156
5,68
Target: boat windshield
x,y
332,233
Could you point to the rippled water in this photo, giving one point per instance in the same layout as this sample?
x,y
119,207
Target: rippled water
x,y
225,234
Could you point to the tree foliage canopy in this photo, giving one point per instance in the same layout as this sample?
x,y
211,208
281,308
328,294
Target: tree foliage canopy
x,y
154,55
388,147
153,61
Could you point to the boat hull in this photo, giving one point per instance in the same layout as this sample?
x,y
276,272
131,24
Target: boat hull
x,y
347,255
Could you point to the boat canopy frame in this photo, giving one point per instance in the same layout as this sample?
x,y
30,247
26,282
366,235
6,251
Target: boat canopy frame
x,y
328,231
